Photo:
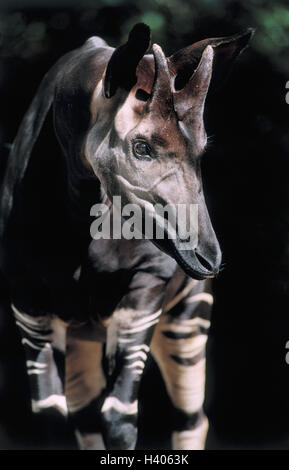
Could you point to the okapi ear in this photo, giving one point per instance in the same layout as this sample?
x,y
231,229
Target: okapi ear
x,y
226,49
189,101
121,68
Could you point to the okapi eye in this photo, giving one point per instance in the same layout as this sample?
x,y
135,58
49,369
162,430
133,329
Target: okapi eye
x,y
141,150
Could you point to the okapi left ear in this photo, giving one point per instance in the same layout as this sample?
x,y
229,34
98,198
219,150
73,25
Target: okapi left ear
x,y
121,68
189,101
226,49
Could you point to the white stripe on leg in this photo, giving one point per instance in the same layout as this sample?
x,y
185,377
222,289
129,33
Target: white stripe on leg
x,y
191,439
115,404
54,401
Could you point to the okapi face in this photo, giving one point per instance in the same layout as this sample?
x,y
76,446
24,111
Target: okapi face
x,y
148,133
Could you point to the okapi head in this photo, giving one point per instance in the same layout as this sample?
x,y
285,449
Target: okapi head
x,y
147,134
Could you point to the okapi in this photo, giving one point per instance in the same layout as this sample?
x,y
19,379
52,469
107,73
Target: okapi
x,y
113,122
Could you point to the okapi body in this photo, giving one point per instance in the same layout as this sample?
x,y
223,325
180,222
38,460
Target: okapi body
x,y
113,122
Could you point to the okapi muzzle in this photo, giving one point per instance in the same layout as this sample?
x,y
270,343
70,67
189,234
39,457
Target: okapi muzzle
x,y
147,135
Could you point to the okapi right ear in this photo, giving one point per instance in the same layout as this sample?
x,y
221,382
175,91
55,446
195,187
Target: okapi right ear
x,y
121,68
226,49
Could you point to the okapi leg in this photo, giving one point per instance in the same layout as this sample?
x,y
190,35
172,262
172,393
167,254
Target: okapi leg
x,y
178,347
84,383
39,336
120,407
128,338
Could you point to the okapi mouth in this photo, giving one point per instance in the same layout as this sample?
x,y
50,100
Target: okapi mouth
x,y
192,262
201,259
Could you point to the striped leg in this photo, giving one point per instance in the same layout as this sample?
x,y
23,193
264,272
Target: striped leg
x,y
128,338
102,401
178,347
39,336
127,361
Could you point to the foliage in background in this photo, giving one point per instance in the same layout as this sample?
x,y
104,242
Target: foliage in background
x,y
173,22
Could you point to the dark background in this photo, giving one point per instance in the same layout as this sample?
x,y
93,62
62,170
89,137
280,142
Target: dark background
x,y
246,174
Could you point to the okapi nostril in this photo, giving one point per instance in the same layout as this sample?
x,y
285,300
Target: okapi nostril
x,y
203,261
